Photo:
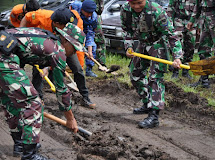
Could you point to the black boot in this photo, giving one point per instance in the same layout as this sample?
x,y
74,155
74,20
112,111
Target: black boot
x,y
17,148
141,110
175,73
30,153
151,121
205,82
185,73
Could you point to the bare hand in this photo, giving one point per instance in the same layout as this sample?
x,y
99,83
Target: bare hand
x,y
72,124
45,72
128,54
176,63
190,26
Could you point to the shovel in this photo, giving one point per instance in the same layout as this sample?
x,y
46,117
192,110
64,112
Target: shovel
x,y
46,78
72,85
202,67
62,122
103,68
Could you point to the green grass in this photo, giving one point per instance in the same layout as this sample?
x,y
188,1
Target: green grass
x,y
123,62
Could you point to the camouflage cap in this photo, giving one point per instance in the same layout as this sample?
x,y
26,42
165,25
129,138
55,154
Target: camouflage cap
x,y
74,35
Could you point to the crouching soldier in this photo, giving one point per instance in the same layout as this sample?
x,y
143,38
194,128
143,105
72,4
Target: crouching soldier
x,y
19,99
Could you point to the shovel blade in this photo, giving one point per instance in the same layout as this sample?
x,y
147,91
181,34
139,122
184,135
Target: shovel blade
x,y
73,87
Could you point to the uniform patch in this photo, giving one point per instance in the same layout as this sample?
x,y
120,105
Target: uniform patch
x,y
33,16
71,19
3,37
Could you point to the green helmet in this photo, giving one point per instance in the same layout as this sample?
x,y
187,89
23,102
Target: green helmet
x,y
74,35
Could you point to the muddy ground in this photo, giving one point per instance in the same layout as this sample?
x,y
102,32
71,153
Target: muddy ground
x,y
186,131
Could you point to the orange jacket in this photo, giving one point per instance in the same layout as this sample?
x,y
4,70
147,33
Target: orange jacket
x,y
40,18
17,14
80,25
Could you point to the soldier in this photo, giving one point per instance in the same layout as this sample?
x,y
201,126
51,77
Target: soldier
x,y
205,9
48,20
180,13
89,17
99,35
148,22
20,101
19,11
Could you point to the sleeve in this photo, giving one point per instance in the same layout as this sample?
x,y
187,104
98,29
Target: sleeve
x,y
32,19
90,38
165,26
196,12
126,32
57,59
171,9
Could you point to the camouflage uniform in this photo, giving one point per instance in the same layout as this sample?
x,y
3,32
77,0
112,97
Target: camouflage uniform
x,y
151,89
180,11
99,35
205,9
21,103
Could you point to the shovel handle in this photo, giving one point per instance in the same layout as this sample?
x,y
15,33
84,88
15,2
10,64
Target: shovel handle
x,y
46,78
157,59
70,78
62,122
93,59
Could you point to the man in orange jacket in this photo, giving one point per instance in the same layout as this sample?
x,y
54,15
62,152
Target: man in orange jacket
x,y
48,20
19,11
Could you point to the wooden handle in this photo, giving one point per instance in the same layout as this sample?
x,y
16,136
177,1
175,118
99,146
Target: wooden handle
x,y
62,122
67,74
157,59
94,60
46,78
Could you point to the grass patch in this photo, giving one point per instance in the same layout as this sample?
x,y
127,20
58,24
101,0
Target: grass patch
x,y
123,62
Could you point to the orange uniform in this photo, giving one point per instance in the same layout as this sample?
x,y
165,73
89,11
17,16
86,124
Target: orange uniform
x,y
80,25
40,18
17,14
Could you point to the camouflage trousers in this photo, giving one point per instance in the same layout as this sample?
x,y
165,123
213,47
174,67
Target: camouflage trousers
x,y
207,37
20,100
147,76
100,42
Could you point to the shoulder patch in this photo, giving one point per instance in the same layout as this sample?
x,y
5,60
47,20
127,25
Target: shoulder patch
x,y
33,16
71,19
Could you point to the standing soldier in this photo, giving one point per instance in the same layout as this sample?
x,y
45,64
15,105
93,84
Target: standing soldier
x,y
148,22
205,9
180,12
99,35
20,101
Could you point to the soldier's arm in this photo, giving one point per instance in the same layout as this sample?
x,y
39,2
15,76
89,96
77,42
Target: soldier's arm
x,y
127,33
165,27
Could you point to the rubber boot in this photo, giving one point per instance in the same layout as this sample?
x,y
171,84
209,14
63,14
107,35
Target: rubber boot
x,y
185,73
141,110
89,72
175,73
30,153
17,148
205,82
151,121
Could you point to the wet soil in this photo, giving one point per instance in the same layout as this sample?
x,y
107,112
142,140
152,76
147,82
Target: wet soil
x,y
186,130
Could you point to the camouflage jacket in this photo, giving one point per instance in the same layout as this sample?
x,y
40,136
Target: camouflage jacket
x,y
198,10
139,28
99,6
181,9
44,52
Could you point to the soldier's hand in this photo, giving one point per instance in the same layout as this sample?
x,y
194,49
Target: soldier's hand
x,y
128,54
71,121
176,63
45,72
189,26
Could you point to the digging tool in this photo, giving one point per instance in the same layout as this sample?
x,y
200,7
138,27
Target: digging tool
x,y
72,85
46,78
62,122
202,67
103,68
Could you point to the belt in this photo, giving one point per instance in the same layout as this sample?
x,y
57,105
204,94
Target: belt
x,y
208,9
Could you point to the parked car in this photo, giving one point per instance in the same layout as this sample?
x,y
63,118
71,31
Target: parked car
x,y
45,4
111,24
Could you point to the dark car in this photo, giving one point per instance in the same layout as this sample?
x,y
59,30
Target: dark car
x,y
45,4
